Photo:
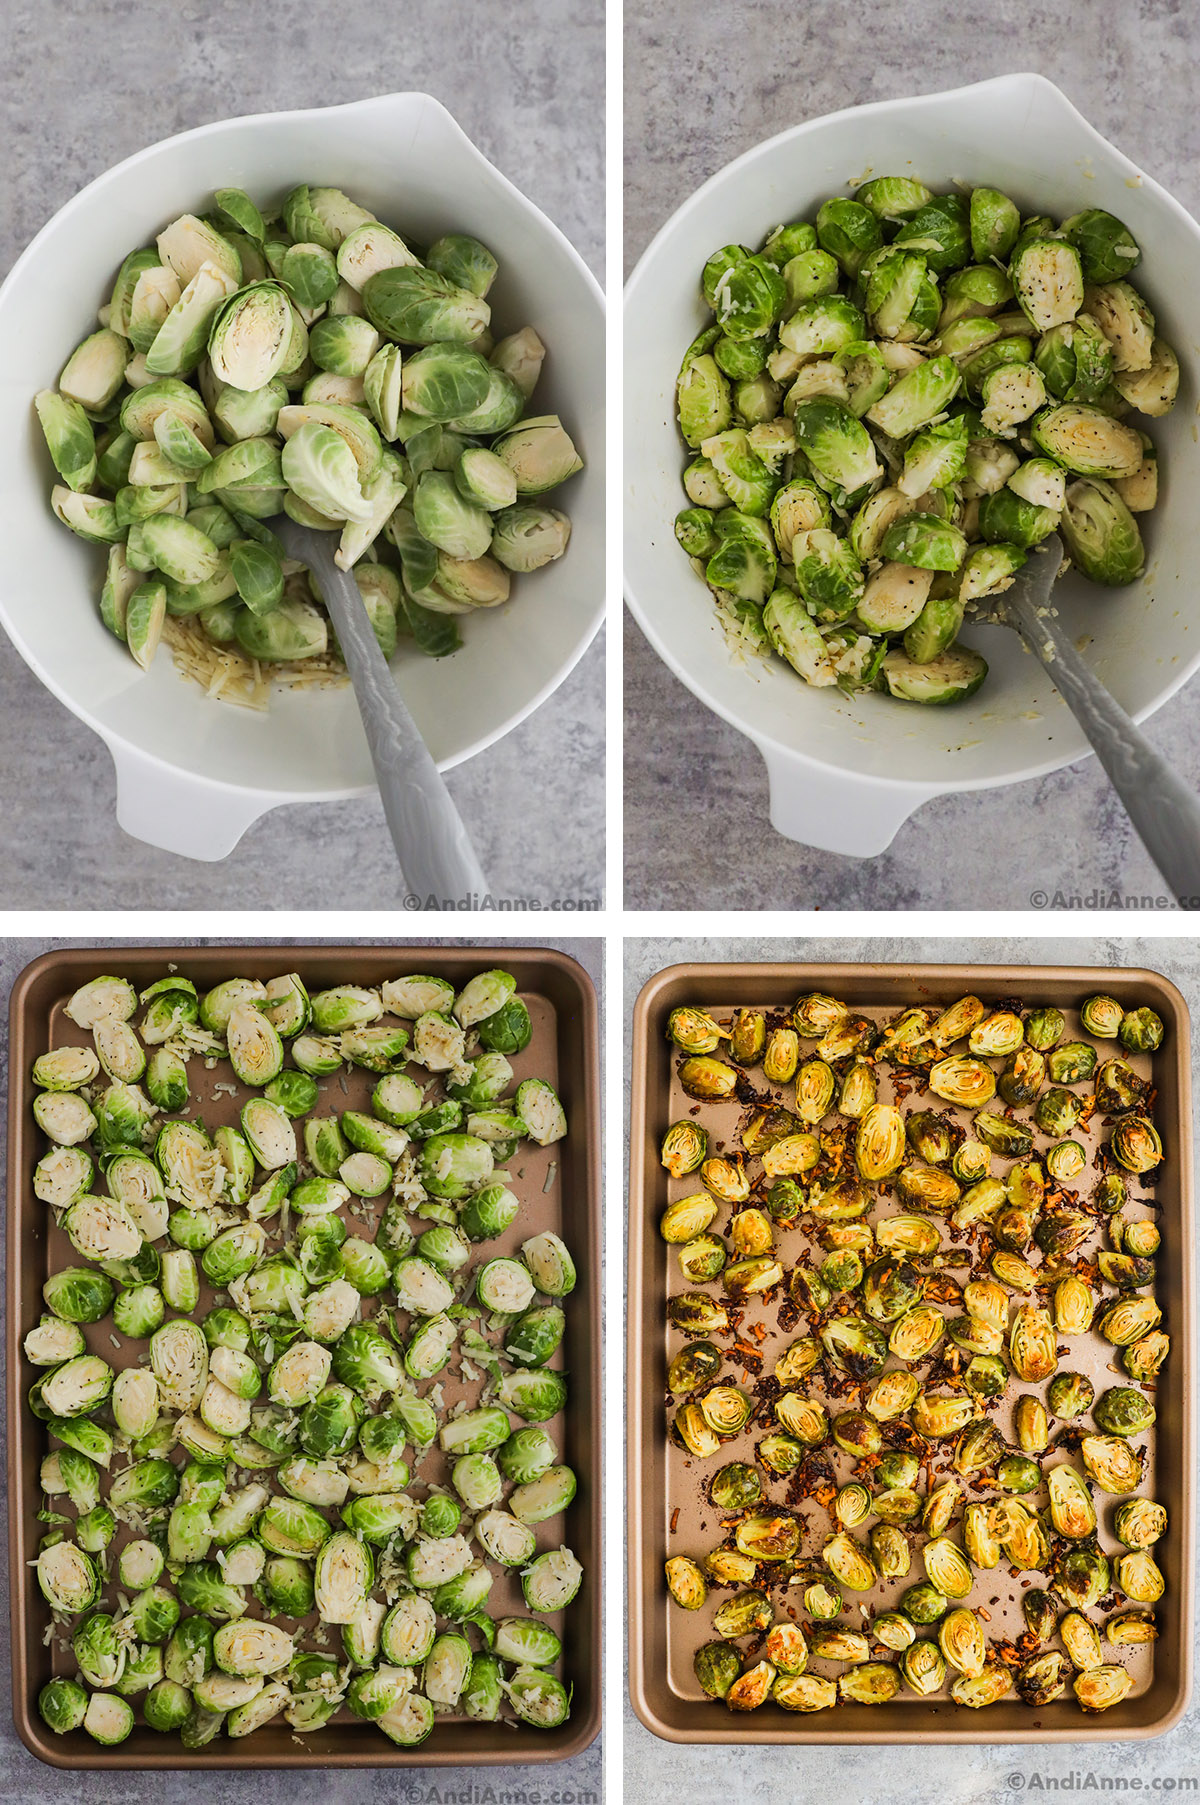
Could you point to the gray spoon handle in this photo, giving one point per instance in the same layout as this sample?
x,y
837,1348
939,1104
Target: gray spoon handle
x,y
1163,809
435,853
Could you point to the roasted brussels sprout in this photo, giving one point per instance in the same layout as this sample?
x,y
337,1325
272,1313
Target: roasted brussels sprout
x,y
684,1148
716,1666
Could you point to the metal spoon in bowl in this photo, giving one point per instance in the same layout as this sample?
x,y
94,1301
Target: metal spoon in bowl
x,y
435,852
1165,812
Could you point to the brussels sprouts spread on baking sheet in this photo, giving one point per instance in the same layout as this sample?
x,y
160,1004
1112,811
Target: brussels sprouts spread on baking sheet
x,y
300,1371
913,1351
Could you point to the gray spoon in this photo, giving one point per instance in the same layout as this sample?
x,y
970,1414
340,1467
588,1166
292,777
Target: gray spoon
x,y
1165,812
435,852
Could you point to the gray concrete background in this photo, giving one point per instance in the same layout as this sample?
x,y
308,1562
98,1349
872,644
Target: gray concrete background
x,y
704,84
27,1781
84,83
977,1775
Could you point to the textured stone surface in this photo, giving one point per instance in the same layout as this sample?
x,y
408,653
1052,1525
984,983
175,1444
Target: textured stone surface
x,y
27,1781
903,1776
81,87
703,85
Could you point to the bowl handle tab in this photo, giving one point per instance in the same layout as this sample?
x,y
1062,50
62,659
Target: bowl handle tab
x,y
178,812
837,811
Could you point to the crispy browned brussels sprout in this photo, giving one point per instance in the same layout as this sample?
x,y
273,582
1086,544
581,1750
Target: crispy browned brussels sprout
x,y
1030,1425
694,1031
1071,1062
1130,1629
696,1313
804,1692
1101,1687
687,1217
747,1614
686,1582
707,1079
1081,1576
822,1601
716,1666
967,1082
1040,1613
781,1056
1071,1509
726,1179
1023,1076
1135,1144
1129,1319
1012,1140
702,1259
1141,1031
780,1454
751,1688
923,1667
683,1149
815,1089
1124,1411
1058,1110
1101,1017
892,1556
855,1346
1143,1359
859,1090
1070,1395
849,1563
879,1145
1110,1462
786,1648
815,1015
1043,1679
749,1036
1140,1522
693,1366
1044,1028
751,1233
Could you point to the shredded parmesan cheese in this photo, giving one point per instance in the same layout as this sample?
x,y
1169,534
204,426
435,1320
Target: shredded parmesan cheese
x,y
227,675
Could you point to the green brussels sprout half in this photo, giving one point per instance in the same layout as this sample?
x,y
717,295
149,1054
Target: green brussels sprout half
x,y
1101,535
926,541
1107,249
108,1719
1141,1031
62,1705
940,232
838,448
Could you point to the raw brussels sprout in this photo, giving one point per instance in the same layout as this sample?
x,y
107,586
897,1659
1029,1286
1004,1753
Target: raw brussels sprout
x,y
1101,535
67,1577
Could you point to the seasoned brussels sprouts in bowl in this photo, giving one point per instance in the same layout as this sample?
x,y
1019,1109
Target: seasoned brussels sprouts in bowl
x,y
876,434
402,158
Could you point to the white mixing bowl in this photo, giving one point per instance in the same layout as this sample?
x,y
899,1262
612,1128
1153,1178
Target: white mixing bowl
x,y
846,773
192,775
